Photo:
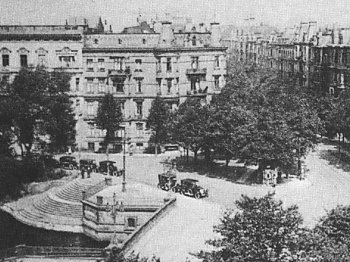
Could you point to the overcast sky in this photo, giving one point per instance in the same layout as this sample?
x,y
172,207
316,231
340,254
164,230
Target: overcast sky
x,y
121,13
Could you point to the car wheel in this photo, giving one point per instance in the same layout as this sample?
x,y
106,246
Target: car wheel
x,y
197,195
174,189
166,187
158,185
71,167
190,192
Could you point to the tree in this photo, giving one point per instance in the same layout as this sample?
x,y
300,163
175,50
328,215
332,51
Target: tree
x,y
158,122
31,98
109,117
191,125
263,230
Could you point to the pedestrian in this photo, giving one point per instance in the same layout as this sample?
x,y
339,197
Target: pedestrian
x,y
89,172
110,169
82,172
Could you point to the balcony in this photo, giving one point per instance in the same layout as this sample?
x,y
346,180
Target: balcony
x,y
119,72
196,71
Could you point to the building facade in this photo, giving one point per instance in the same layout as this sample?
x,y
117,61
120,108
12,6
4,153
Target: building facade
x,y
313,55
136,65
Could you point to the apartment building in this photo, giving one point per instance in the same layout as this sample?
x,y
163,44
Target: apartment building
x,y
136,65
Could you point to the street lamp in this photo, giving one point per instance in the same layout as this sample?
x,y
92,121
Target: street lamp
x,y
123,135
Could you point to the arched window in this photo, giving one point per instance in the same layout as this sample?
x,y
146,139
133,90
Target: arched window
x,y
119,41
96,41
143,41
331,90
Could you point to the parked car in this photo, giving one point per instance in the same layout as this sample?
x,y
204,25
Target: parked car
x,y
110,166
68,162
190,187
166,181
88,163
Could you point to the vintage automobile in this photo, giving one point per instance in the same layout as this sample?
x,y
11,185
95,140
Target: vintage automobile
x,y
88,163
190,187
109,166
167,181
68,162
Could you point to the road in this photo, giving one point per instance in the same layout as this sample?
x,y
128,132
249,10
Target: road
x,y
186,228
324,187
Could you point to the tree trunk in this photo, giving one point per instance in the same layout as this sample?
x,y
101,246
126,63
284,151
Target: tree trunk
x,y
227,161
187,157
107,156
156,149
195,155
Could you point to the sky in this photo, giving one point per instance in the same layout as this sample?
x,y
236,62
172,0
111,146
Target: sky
x,y
122,13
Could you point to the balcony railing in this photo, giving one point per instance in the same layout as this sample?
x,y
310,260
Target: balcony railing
x,y
119,72
196,71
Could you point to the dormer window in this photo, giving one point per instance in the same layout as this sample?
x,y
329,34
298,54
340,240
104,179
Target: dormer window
x,y
96,41
144,41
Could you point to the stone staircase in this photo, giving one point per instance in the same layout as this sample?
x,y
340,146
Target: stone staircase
x,y
59,208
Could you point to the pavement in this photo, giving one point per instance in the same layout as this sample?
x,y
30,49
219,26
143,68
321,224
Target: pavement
x,y
185,228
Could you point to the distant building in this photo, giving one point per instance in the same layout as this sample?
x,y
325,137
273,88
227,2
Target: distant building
x,y
136,65
314,56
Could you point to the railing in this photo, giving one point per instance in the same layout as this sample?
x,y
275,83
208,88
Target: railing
x,y
50,251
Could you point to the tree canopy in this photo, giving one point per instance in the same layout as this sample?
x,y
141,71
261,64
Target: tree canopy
x,y
261,229
158,122
109,117
37,109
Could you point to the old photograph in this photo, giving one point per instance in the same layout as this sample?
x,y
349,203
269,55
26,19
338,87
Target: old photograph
x,y
174,131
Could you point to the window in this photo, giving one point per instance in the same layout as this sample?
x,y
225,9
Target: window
x,y
120,41
96,41
217,82
194,63
77,81
91,130
122,107
91,146
217,62
101,85
90,109
331,91
139,85
159,81
139,129
119,84
24,61
195,84
168,64
42,60
194,41
89,63
101,65
5,60
139,108
144,41
66,61
89,86
119,63
139,146
138,65
159,65
169,85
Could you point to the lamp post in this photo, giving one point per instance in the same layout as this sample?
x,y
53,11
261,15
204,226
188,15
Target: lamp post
x,y
124,145
116,207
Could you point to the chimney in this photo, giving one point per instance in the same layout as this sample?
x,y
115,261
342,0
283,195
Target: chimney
x,y
215,34
166,35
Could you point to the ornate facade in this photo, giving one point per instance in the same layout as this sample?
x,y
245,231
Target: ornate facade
x,y
137,65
